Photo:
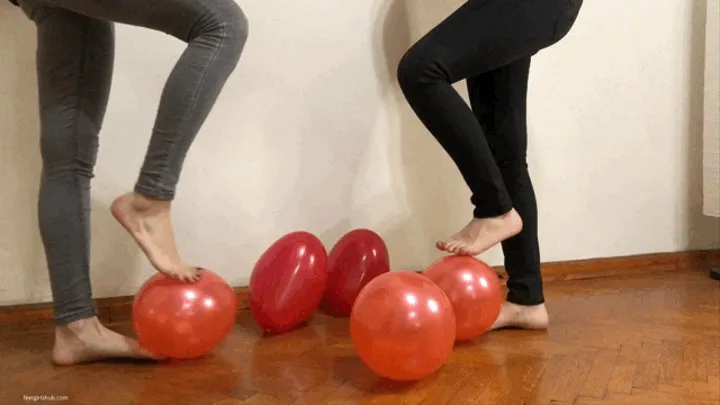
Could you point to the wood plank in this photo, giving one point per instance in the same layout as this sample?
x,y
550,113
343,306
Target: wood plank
x,y
622,378
596,384
615,357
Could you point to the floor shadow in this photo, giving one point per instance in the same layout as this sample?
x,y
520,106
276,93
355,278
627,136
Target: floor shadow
x,y
287,366
354,372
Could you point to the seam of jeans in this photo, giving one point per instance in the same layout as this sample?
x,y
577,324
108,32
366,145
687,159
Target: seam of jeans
x,y
199,87
80,91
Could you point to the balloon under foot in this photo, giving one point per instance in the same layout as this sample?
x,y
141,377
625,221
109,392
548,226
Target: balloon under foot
x,y
181,320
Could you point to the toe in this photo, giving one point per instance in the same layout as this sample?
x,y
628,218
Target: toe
x,y
144,354
453,247
192,275
137,351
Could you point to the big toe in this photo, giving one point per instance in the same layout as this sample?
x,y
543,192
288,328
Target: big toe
x,y
141,353
440,245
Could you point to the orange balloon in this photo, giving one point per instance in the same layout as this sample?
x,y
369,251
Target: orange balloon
x,y
181,320
474,291
402,326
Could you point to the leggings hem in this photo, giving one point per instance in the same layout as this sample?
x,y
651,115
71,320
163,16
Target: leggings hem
x,y
525,302
65,319
154,194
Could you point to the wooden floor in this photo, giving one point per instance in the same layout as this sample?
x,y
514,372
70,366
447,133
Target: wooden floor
x,y
640,340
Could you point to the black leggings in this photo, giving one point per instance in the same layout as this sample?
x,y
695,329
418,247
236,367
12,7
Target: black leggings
x,y
489,43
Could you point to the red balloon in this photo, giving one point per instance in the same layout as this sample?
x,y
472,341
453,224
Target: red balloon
x,y
357,258
474,291
288,282
402,326
181,320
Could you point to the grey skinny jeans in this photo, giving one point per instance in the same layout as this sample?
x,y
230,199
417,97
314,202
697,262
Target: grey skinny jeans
x,y
75,58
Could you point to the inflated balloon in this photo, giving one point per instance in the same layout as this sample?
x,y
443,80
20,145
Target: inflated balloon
x,y
358,257
474,291
181,320
288,282
402,326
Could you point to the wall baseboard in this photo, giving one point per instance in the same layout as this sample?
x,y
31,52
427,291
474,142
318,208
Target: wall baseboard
x,y
119,309
626,265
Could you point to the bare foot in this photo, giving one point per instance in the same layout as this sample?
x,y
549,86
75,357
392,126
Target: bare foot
x,y
482,233
88,340
149,223
522,316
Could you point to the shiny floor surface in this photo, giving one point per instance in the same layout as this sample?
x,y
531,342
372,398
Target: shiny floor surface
x,y
640,340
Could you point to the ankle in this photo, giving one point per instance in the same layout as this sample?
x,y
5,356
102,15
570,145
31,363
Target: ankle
x,y
78,327
522,316
524,306
141,203
511,214
512,217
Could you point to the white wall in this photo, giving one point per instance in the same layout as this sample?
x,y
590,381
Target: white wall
x,y
312,133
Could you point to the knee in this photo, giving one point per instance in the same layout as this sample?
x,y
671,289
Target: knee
x,y
420,67
512,166
236,30
62,157
226,27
